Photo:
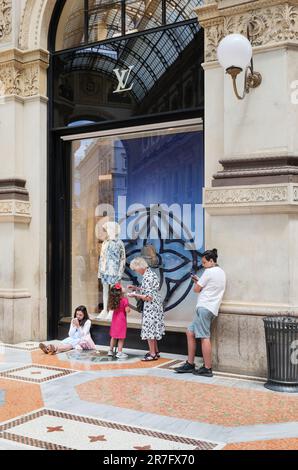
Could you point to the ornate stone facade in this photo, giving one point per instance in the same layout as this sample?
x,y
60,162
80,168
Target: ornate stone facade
x,y
5,21
271,22
35,22
23,73
15,211
267,198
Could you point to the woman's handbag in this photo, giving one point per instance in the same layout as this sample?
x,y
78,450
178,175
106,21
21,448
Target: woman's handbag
x,y
140,305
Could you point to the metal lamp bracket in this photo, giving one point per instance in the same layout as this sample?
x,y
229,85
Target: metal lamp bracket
x,y
252,79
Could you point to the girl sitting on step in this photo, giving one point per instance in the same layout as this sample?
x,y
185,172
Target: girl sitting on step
x,y
79,336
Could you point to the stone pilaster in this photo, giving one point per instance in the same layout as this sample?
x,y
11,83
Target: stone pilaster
x,y
5,21
251,176
23,127
23,74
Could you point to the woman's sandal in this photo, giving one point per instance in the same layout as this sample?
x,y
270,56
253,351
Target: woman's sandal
x,y
157,355
148,358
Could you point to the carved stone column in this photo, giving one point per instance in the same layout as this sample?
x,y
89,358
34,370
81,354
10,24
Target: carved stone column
x,y
251,176
23,120
5,21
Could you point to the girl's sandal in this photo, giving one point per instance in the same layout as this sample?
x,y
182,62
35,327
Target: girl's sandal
x,y
148,358
44,348
51,349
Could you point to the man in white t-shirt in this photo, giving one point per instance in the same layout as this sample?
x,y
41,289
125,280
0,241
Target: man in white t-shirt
x,y
211,288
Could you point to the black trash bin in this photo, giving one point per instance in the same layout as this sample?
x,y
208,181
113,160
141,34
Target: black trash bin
x,y
282,353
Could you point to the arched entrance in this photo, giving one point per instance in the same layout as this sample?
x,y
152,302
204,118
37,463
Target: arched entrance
x,y
126,107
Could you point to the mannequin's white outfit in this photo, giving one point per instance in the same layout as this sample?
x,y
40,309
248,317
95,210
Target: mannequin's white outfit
x,y
111,264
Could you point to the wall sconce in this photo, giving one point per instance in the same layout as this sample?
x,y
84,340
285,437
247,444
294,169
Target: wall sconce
x,y
235,55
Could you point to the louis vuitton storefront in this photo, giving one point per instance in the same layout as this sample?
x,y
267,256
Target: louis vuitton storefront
x,y
120,110
126,144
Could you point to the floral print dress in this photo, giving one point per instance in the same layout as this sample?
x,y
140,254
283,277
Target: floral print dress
x,y
111,262
153,325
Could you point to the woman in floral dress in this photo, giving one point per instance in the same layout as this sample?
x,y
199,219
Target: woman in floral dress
x,y
153,325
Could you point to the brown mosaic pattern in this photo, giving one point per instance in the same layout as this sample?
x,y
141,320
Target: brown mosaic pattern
x,y
27,347
200,445
20,398
183,399
274,444
171,364
32,442
13,373
38,357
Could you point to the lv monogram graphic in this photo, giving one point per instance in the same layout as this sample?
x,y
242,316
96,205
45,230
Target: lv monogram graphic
x,y
123,76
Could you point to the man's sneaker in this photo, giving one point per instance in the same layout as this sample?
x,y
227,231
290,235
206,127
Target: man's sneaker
x,y
187,368
110,353
203,372
121,355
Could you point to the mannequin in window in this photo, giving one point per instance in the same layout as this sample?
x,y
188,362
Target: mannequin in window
x,y
111,264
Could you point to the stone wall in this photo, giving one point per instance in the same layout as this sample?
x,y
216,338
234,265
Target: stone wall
x,y
23,183
251,171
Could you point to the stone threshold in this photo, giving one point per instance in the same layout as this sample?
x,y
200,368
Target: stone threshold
x,y
134,323
230,375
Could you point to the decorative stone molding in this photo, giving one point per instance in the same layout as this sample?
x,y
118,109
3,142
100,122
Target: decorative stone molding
x,y
15,211
23,74
273,22
35,23
13,189
5,21
265,198
12,294
255,308
261,169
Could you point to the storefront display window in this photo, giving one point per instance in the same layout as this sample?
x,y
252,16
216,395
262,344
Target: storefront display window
x,y
126,145
150,183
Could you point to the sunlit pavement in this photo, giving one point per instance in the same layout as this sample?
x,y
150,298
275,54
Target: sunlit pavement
x,y
85,400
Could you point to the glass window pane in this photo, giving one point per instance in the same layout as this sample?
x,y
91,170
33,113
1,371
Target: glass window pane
x,y
143,15
153,69
132,179
70,31
105,20
181,10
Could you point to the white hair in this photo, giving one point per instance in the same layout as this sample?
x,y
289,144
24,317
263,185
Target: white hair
x,y
138,263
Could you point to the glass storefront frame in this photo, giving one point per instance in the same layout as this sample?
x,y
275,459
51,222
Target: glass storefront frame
x,y
112,175
59,185
59,212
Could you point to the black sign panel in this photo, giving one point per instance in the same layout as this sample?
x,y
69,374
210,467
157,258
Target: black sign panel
x,y
148,74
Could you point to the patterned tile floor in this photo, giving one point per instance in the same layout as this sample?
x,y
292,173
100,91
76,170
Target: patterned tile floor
x,y
36,373
2,397
87,401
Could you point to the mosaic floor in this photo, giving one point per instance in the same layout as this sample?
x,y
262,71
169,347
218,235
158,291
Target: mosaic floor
x,y
85,400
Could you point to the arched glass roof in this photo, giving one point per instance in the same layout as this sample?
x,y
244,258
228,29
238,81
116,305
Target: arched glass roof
x,y
89,21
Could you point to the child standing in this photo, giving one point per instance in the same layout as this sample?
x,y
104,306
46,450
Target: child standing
x,y
119,304
79,336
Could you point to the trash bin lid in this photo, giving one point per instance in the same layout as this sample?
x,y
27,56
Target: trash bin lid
x,y
289,320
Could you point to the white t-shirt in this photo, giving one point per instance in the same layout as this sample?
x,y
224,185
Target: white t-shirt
x,y
213,283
